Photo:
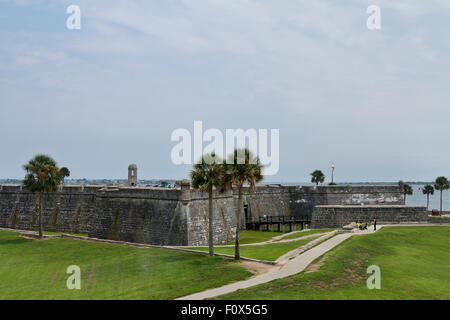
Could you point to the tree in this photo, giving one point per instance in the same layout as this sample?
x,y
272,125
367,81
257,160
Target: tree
x,y
205,177
407,190
43,176
428,190
441,184
164,184
241,167
317,177
64,172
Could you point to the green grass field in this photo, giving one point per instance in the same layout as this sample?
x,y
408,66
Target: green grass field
x,y
251,236
305,233
31,269
268,252
414,262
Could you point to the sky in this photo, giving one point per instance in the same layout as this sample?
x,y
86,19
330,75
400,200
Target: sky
x,y
374,102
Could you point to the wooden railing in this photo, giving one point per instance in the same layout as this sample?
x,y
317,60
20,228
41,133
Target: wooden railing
x,y
279,221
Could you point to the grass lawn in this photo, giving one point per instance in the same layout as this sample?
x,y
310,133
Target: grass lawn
x,y
252,236
305,233
269,252
414,262
31,269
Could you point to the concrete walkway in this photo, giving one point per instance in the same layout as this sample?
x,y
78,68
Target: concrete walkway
x,y
291,267
276,239
282,260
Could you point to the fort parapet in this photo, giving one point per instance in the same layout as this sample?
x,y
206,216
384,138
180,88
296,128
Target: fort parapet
x,y
175,216
159,216
336,216
67,210
280,200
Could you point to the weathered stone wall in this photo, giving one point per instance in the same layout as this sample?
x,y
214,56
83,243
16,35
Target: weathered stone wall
x,y
171,216
364,194
66,211
338,216
158,216
144,215
224,223
439,220
269,201
301,200
140,215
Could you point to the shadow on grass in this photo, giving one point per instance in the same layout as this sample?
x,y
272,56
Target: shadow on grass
x,y
15,241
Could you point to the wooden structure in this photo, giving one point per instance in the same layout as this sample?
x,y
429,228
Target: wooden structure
x,y
280,222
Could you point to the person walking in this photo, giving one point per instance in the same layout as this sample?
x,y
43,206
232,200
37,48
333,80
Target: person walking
x,y
375,225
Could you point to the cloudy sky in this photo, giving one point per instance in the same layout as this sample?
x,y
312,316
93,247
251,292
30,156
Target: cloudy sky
x,y
376,103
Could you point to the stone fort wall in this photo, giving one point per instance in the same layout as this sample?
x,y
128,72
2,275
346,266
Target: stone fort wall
x,y
66,211
338,216
145,215
276,200
161,216
171,216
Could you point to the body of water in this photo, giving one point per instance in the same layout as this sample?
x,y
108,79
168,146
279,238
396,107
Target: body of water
x,y
419,199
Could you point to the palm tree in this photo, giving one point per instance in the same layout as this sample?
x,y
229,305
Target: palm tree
x,y
428,190
242,167
317,177
64,172
441,184
205,177
43,175
164,184
407,190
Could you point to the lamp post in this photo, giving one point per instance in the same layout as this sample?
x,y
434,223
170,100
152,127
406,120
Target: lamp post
x,y
332,173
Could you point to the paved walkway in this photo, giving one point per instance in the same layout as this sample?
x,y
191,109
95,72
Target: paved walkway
x,y
276,239
292,267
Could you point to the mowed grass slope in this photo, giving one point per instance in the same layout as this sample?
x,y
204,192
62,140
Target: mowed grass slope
x,y
31,269
305,233
252,236
268,252
414,262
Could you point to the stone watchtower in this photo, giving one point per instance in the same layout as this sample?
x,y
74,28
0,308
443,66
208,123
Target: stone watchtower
x,y
132,175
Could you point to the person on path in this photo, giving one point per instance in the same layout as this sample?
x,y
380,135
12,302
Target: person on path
x,y
375,225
